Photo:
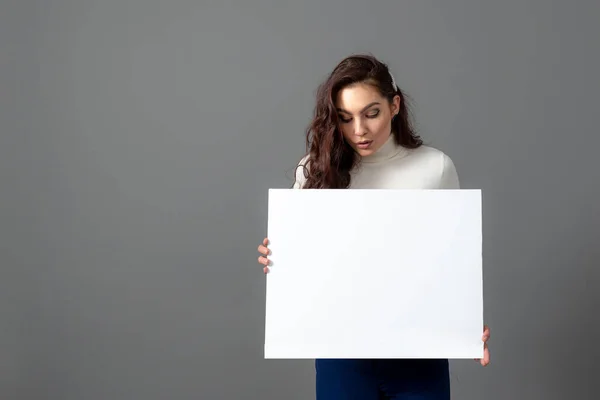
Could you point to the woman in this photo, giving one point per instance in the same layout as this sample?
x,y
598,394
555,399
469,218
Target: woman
x,y
361,137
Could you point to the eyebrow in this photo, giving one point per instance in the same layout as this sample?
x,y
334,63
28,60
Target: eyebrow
x,y
363,110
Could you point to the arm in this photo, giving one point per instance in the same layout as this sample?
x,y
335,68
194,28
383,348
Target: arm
x,y
300,179
449,180
449,177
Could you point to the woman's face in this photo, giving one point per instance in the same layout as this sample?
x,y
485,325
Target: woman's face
x,y
365,117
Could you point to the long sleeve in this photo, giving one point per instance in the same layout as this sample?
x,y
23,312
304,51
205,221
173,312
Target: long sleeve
x,y
449,178
300,179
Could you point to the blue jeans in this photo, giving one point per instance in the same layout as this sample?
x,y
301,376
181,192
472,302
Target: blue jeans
x,y
400,379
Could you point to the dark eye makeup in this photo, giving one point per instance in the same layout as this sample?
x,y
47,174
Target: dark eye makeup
x,y
370,114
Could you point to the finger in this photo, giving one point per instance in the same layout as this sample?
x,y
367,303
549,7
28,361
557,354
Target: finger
x,y
263,260
485,350
265,242
486,356
486,333
264,250
266,270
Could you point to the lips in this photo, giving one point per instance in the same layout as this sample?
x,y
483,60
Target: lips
x,y
364,144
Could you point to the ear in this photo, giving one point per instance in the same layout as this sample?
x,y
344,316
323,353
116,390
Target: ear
x,y
395,106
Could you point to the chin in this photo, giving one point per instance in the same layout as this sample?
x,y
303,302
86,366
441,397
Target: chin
x,y
363,152
370,149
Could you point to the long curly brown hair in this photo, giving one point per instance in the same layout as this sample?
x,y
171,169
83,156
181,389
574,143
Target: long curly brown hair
x,y
330,158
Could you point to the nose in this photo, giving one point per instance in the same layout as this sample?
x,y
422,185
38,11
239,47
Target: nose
x,y
359,128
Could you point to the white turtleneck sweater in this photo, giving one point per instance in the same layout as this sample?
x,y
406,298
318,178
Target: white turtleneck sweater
x,y
396,167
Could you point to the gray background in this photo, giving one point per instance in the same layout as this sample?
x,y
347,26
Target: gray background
x,y
139,138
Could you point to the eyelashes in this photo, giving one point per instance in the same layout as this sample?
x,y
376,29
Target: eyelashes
x,y
370,115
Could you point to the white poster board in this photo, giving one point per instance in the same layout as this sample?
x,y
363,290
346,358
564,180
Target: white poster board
x,y
367,273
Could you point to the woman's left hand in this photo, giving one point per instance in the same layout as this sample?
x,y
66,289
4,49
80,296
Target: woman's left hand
x,y
486,352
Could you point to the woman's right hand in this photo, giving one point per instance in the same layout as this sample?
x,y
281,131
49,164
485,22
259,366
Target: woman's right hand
x,y
264,251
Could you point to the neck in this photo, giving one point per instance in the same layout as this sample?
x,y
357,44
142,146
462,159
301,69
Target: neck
x,y
388,150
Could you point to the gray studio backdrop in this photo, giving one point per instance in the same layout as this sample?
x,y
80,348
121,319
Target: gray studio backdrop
x,y
139,139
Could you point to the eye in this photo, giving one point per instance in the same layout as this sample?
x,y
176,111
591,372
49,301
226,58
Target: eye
x,y
344,120
373,114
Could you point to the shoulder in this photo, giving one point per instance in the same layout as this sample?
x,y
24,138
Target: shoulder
x,y
300,172
439,163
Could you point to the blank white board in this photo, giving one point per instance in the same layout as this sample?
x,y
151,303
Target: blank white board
x,y
367,273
